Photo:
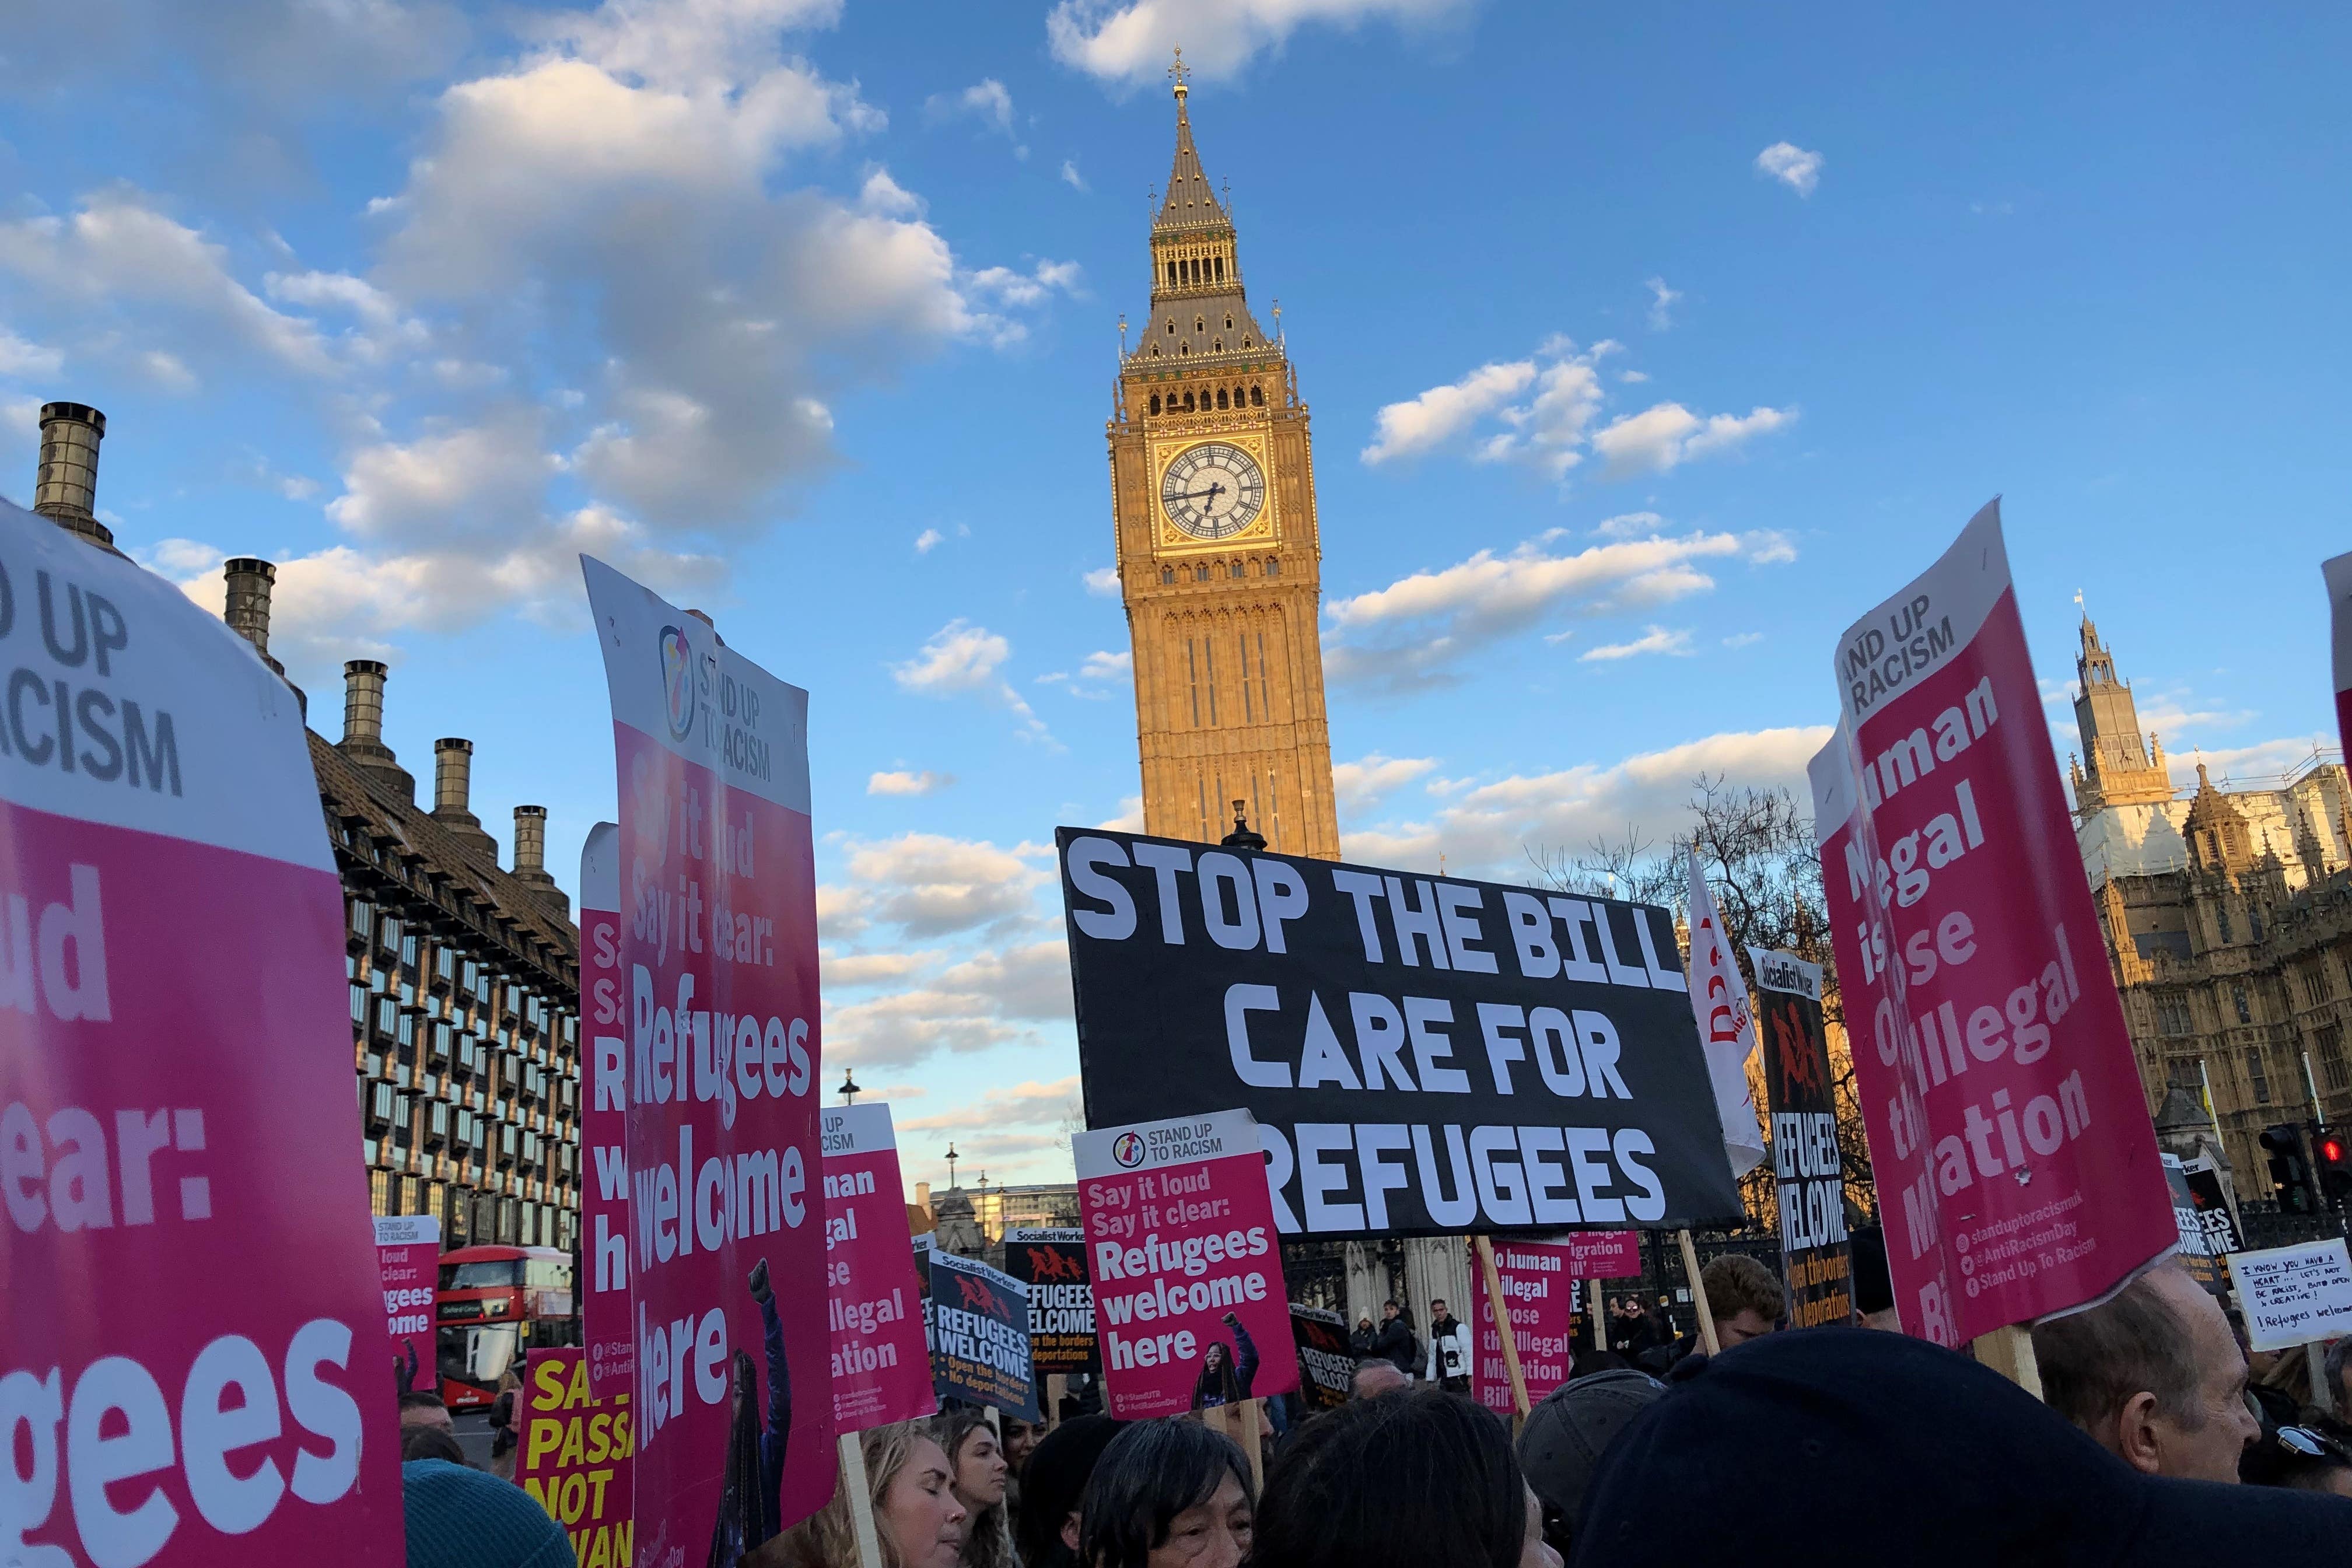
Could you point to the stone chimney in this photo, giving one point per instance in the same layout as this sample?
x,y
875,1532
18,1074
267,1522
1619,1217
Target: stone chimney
x,y
247,605
453,775
362,739
64,487
530,859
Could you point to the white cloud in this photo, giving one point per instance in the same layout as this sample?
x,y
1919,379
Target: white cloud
x,y
902,782
1072,178
959,657
1486,830
1743,639
1414,633
1130,818
1420,424
1792,166
343,603
1656,639
930,886
1663,300
1633,377
1107,665
1666,435
928,540
1361,784
985,101
1540,409
1631,525
118,260
18,357
1130,42
1103,581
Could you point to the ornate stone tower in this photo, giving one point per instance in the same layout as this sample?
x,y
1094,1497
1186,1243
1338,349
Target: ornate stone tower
x,y
1212,490
2119,767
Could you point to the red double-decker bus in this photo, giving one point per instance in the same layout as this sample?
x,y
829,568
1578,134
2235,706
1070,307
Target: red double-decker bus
x,y
494,1304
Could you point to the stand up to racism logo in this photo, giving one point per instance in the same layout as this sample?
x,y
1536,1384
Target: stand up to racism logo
x,y
677,679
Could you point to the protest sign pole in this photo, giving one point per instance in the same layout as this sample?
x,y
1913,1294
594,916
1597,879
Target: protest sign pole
x,y
1250,1416
861,1503
1698,1293
1502,1313
2009,1352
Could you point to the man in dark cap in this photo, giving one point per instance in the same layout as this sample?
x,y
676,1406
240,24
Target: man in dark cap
x,y
1903,1452
1567,1433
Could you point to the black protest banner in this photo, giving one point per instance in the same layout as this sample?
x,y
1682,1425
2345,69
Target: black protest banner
x,y
980,1331
2214,1213
1424,1055
1052,1261
1811,1175
1327,1364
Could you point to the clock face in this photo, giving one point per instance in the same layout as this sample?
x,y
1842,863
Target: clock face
x,y
1212,491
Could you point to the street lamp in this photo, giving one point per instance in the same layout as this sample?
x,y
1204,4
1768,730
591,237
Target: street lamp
x,y
849,1089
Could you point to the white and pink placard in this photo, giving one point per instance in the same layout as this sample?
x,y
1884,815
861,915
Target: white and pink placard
x,y
195,1360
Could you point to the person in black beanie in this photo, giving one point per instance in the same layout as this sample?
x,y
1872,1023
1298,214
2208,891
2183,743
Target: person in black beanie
x,y
1903,1452
1050,1488
1873,1285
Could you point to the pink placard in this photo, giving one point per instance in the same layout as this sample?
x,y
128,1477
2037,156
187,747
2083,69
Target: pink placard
x,y
194,1370
2007,1122
408,1260
1540,1283
1601,1254
607,1326
1189,1298
881,1370
719,951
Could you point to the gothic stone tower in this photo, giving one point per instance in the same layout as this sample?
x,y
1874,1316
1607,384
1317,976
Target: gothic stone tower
x,y
1212,489
2119,766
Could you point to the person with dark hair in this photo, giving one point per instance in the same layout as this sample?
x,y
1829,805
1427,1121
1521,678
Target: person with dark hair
x,y
430,1443
1225,1376
1168,1494
979,1470
1376,1375
461,1518
420,1408
1927,1459
1395,1339
1592,1363
1567,1433
1449,1349
2312,1459
1874,1283
1046,1533
1404,1482
750,1507
2153,1376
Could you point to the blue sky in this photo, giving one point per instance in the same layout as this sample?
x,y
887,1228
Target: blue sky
x,y
1645,349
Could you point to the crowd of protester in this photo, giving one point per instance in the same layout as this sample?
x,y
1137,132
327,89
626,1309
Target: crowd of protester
x,y
2159,1436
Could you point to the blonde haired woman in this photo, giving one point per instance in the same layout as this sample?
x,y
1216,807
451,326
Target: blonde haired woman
x,y
910,1487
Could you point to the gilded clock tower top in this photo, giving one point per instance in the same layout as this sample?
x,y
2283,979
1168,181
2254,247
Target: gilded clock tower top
x,y
1219,554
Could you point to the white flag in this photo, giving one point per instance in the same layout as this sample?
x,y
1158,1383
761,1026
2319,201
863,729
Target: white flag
x,y
1726,1026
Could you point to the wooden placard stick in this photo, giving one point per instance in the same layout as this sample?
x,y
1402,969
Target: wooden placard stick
x,y
1502,1312
2009,1352
1698,1293
861,1505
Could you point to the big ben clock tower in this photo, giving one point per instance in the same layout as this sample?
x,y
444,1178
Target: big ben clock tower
x,y
1212,488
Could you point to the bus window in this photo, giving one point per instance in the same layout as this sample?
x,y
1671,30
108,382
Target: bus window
x,y
481,1276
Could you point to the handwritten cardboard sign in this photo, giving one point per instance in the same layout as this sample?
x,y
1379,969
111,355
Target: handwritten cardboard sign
x,y
2295,1295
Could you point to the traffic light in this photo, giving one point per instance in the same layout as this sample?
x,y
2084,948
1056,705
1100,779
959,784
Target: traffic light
x,y
2290,1170
2332,1157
